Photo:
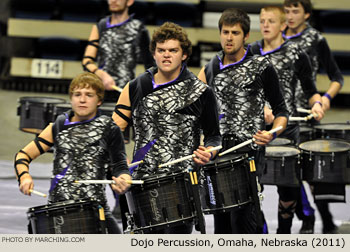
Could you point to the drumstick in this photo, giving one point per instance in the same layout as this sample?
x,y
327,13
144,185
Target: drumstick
x,y
104,181
135,163
296,118
188,157
302,110
116,88
37,193
247,142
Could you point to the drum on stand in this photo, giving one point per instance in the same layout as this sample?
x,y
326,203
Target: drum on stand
x,y
106,110
60,109
282,166
226,184
333,130
326,161
161,201
35,113
68,217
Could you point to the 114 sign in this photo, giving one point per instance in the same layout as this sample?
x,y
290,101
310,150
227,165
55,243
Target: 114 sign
x,y
43,68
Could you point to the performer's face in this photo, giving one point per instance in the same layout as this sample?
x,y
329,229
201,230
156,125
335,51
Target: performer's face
x,y
118,6
296,16
232,39
84,103
271,25
169,56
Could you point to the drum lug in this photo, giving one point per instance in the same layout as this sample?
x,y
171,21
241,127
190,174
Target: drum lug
x,y
332,160
27,111
283,159
310,157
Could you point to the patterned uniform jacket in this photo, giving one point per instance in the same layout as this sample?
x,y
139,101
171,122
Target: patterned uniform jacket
x,y
292,65
171,116
241,89
316,47
121,46
83,151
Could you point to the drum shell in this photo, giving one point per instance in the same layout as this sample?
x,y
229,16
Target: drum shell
x,y
68,217
160,202
35,113
282,170
60,109
326,167
226,184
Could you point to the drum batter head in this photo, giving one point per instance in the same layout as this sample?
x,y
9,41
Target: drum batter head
x,y
333,126
325,146
281,151
279,141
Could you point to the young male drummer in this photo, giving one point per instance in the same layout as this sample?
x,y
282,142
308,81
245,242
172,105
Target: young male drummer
x,y
85,144
241,83
168,105
298,13
292,65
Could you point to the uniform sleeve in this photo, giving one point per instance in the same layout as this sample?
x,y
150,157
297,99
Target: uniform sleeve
x,y
145,54
304,73
273,92
116,149
209,119
327,60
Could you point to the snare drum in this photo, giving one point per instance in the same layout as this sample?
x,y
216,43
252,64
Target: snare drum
x,y
282,166
226,184
59,109
325,161
35,113
106,110
280,141
161,201
68,217
333,130
306,134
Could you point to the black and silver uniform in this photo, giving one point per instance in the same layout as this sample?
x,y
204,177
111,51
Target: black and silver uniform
x,y
84,151
171,115
316,47
292,65
121,47
241,89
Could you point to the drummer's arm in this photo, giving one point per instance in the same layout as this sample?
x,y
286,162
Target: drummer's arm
x,y
122,110
35,148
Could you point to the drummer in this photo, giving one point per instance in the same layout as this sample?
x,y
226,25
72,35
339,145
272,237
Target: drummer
x,y
85,143
294,67
242,82
168,106
298,13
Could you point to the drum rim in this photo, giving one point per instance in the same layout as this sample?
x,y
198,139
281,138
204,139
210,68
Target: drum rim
x,y
286,147
321,126
67,203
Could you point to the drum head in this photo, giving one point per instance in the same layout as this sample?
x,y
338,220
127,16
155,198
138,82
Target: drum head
x,y
333,126
64,106
325,146
225,158
304,129
281,151
279,141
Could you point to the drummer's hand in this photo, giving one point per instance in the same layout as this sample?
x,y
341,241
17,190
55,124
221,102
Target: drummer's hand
x,y
317,111
107,80
121,185
26,184
201,157
262,137
326,103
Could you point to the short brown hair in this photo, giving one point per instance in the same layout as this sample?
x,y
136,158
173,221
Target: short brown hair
x,y
87,80
233,16
307,5
168,31
279,9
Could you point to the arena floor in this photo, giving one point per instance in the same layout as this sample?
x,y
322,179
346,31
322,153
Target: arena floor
x,y
14,205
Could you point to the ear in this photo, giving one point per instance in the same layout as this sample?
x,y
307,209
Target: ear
x,y
184,57
283,26
306,16
246,37
99,103
130,2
